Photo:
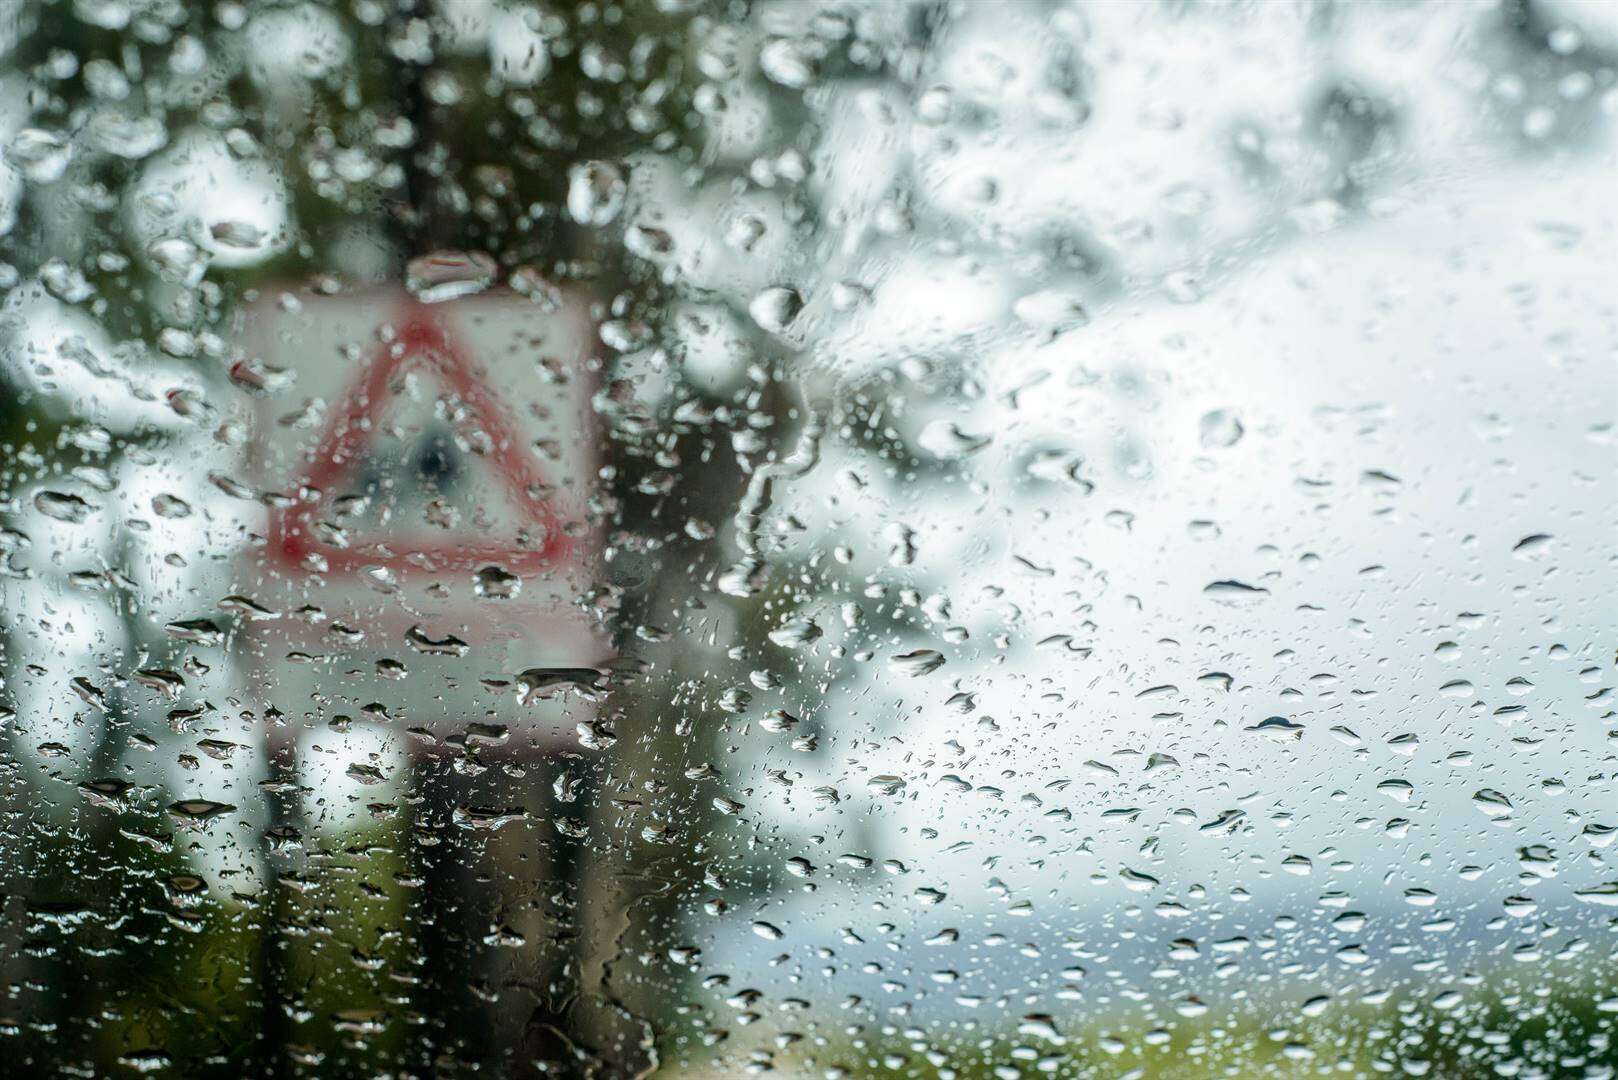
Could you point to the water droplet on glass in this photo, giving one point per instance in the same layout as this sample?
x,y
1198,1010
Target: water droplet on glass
x,y
775,308
449,275
917,662
64,506
1220,429
496,583
41,156
595,193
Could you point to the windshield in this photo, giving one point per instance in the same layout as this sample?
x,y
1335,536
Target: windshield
x,y
658,538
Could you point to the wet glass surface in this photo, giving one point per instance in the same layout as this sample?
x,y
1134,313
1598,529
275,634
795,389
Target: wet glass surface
x,y
962,540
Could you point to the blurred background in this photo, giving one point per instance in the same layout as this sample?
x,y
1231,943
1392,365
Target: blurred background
x,y
1089,530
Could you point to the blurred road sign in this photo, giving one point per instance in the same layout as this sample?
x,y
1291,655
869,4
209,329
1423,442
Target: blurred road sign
x,y
427,475
470,426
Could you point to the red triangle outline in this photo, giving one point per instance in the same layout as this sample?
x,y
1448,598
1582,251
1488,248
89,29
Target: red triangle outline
x,y
352,427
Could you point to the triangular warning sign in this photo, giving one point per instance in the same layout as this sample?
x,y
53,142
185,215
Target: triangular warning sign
x,y
326,527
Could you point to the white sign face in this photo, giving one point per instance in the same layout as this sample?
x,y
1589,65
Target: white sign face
x,y
427,474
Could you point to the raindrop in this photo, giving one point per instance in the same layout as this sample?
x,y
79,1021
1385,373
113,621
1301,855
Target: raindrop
x,y
1277,729
1234,592
1492,802
63,506
787,62
778,721
200,631
595,193
1530,547
537,684
199,811
917,662
496,583
795,633
449,275
1397,790
1604,895
775,308
944,439
886,784
240,235
246,607
1220,429
41,156
170,506
448,645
